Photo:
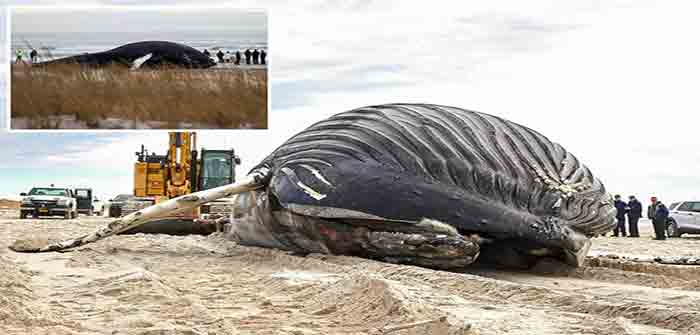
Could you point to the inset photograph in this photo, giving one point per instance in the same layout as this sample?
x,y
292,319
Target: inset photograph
x,y
138,68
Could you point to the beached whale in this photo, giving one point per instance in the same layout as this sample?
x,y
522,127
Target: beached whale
x,y
420,184
428,185
142,54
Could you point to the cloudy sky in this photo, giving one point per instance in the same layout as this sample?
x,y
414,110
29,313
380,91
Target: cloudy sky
x,y
113,19
614,82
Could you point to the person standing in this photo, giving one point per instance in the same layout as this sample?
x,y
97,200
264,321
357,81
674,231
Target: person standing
x,y
660,218
633,215
621,207
19,53
263,56
651,215
256,54
34,56
238,57
206,53
220,56
247,56
651,210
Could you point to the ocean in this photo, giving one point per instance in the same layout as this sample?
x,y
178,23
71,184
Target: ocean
x,y
62,44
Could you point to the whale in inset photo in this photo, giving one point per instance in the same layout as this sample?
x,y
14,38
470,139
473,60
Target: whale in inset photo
x,y
142,54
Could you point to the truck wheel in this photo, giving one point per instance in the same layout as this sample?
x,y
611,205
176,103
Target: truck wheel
x,y
73,215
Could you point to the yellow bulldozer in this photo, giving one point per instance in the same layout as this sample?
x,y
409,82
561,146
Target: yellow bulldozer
x,y
182,170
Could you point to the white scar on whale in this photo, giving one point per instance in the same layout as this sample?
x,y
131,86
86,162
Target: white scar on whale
x,y
311,192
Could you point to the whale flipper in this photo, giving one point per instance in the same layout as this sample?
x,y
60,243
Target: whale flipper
x,y
140,61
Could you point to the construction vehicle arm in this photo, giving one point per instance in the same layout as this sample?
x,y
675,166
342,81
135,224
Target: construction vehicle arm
x,y
175,205
180,163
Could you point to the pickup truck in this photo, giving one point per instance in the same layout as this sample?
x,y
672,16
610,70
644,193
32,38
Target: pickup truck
x,y
49,201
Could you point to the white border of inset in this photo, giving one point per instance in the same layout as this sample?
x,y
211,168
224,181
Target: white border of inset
x,y
7,49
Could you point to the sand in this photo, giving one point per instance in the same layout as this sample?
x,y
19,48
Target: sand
x,y
158,284
9,208
9,204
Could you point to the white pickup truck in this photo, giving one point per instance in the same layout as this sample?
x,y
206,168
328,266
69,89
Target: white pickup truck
x,y
49,201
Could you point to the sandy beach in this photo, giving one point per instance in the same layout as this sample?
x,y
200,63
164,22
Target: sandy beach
x,y
159,284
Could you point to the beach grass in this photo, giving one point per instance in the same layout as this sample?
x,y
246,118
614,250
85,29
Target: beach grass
x,y
171,98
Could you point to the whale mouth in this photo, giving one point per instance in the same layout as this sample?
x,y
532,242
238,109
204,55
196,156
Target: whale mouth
x,y
428,243
436,245
259,219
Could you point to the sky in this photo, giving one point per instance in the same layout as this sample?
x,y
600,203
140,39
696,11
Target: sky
x,y
614,82
99,19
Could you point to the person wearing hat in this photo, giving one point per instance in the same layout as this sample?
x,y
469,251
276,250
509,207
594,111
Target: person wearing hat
x,y
659,227
621,207
633,214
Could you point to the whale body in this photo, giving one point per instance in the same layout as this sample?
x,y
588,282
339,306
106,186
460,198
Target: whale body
x,y
422,184
142,54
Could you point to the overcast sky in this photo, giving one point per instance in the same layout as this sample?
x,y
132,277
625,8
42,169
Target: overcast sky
x,y
614,82
135,19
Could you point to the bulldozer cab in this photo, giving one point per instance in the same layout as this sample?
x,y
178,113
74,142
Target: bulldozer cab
x,y
218,168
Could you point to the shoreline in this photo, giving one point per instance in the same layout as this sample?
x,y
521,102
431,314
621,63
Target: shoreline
x,y
217,67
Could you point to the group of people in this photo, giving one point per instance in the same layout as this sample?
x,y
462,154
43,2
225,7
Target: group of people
x,y
252,57
656,212
34,55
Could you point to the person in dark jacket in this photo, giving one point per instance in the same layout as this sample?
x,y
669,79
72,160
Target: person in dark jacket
x,y
247,56
206,53
220,56
633,215
256,54
660,218
238,58
34,56
621,207
263,56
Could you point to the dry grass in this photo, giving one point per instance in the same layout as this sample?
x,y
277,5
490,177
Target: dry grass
x,y
226,98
